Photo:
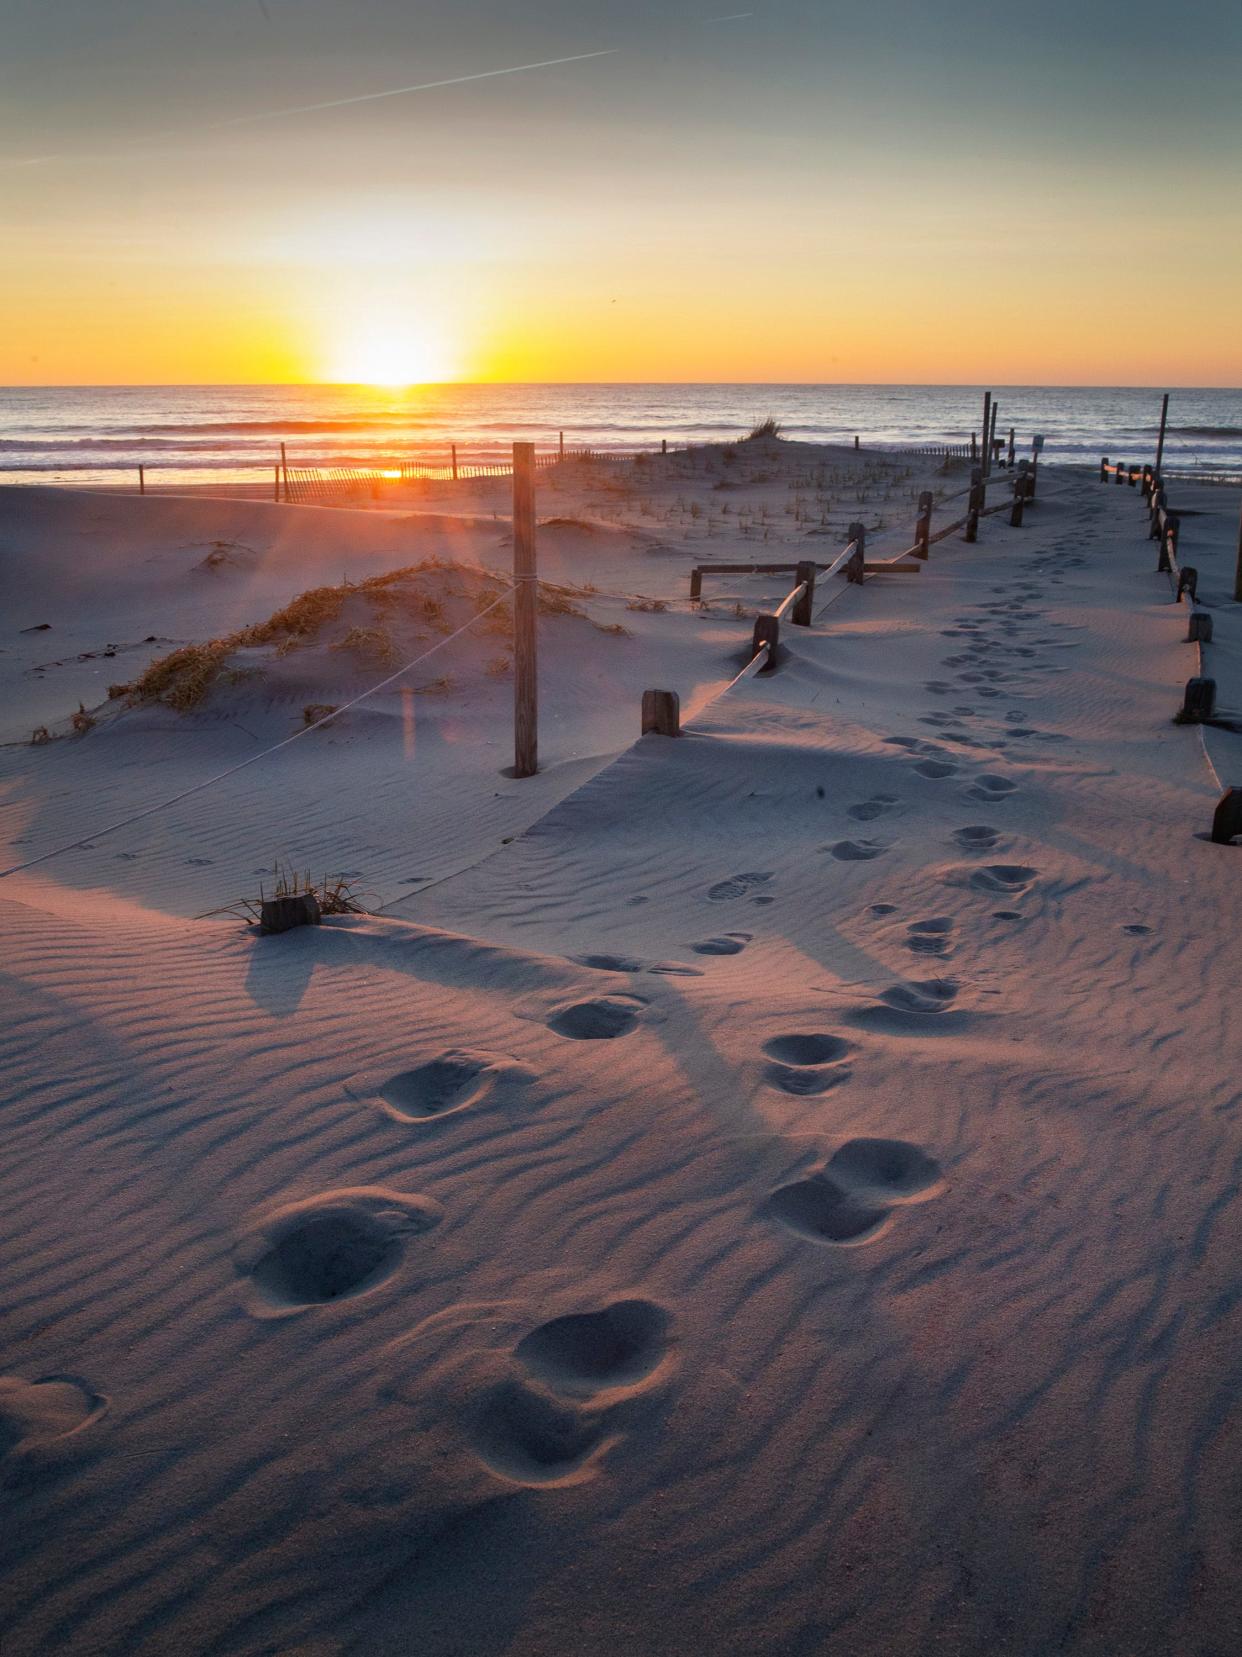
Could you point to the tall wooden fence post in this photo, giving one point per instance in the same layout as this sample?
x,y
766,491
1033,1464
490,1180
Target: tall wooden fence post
x,y
276,483
973,503
922,529
1237,569
525,604
284,471
1012,436
1164,420
800,615
454,449
993,453
562,445
986,433
142,481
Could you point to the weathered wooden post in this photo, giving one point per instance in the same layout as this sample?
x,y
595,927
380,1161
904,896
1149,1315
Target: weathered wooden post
x,y
276,483
1200,628
1227,818
1012,436
1199,701
562,445
1120,477
1019,500
142,481
922,528
986,433
1164,420
525,603
1103,468
972,506
664,445
1187,582
284,471
855,439
800,615
1159,501
453,452
696,582
661,713
993,444
1237,568
1145,481
974,445
767,630
854,570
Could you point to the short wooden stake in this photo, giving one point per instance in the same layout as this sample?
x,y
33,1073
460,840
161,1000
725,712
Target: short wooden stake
x,y
453,447
142,481
800,615
661,713
855,439
1103,468
1200,628
1121,474
1227,818
525,603
767,630
664,445
276,483
922,528
854,570
283,914
696,582
1199,701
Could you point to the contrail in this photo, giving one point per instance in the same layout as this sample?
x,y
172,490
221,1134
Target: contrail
x,y
401,91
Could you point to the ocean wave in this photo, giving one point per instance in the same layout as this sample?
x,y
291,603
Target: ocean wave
x,y
1207,431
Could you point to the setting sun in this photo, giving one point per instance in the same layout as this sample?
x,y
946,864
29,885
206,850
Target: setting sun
x,y
391,353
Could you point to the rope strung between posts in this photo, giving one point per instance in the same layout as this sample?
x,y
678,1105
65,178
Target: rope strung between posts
x,y
209,782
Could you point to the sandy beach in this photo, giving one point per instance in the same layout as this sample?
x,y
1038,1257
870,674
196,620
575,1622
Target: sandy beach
x,y
770,1191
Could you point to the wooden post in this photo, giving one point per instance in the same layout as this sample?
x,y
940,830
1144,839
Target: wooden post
x,y
985,433
854,570
284,471
142,481
1019,500
1103,468
1198,702
992,446
800,615
454,449
767,630
922,529
1121,474
276,483
1237,568
1012,436
1200,627
562,445
525,603
974,445
664,445
1164,420
855,439
696,582
1227,818
1187,582
972,506
661,713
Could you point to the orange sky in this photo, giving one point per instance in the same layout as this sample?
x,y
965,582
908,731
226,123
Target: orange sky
x,y
715,204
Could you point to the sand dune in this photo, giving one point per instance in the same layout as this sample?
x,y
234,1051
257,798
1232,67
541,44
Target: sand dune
x,y
773,1191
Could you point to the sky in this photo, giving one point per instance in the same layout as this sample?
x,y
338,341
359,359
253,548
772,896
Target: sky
x,y
886,191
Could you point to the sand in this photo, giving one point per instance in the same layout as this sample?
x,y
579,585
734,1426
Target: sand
x,y
771,1191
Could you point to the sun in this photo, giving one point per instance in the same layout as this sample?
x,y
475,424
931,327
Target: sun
x,y
391,352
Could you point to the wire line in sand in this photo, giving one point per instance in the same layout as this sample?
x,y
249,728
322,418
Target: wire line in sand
x,y
232,770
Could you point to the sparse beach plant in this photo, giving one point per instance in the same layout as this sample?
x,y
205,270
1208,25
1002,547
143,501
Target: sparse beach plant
x,y
82,721
770,426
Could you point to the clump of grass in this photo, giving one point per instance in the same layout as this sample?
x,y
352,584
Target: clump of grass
x,y
182,679
39,736
651,606
768,427
370,644
334,894
313,712
82,721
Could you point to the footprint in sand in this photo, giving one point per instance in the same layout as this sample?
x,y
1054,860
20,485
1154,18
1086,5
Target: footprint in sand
x,y
877,806
926,997
552,1423
932,936
452,1081
904,741
1137,930
989,786
601,1019
856,851
737,886
1003,877
853,1199
976,837
807,1062
882,909
40,1415
330,1247
729,943
936,768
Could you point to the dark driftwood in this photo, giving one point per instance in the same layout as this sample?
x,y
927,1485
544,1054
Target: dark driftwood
x,y
1200,627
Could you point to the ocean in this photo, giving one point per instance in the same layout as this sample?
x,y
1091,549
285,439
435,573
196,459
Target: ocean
x,y
201,434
